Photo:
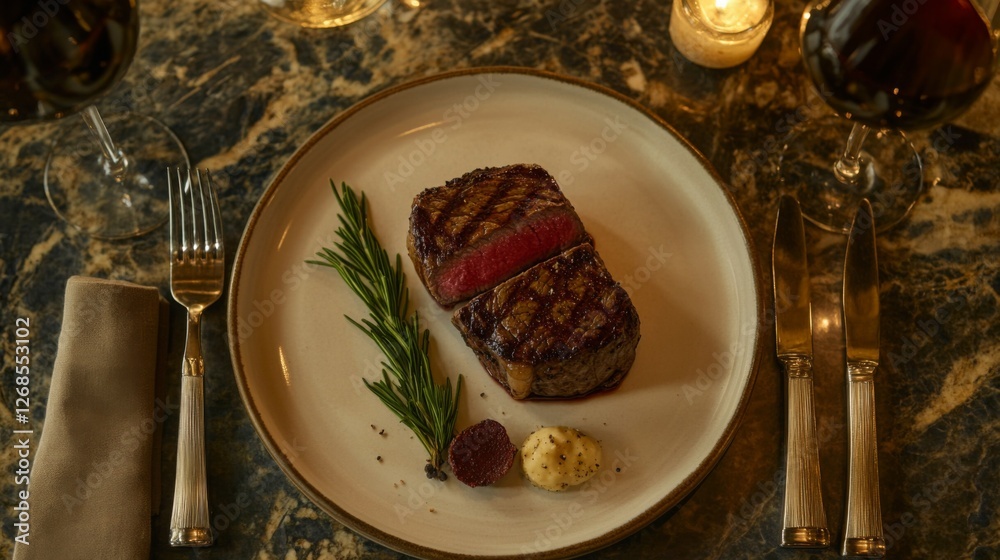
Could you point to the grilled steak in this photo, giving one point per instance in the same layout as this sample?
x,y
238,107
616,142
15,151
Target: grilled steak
x,y
486,226
563,328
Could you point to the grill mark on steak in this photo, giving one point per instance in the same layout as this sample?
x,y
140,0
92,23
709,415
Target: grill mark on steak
x,y
537,319
459,221
563,328
505,185
482,217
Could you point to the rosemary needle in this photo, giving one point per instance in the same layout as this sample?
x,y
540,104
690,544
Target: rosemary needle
x,y
407,386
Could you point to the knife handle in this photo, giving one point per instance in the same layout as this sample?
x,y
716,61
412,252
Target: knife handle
x,y
804,519
863,516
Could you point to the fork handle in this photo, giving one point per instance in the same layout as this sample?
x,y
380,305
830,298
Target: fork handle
x,y
189,523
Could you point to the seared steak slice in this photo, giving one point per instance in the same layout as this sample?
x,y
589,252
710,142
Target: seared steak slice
x,y
563,328
486,226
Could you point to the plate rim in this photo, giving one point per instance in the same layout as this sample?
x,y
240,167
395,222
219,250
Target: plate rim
x,y
672,499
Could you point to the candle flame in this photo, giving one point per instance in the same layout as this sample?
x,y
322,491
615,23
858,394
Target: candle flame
x,y
721,4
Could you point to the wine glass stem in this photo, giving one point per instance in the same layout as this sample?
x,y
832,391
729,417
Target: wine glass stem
x,y
116,159
848,167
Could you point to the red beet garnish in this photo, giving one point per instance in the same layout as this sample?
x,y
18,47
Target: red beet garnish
x,y
481,454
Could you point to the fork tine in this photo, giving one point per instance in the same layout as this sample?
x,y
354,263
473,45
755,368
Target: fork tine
x,y
183,189
176,208
206,243
216,217
195,245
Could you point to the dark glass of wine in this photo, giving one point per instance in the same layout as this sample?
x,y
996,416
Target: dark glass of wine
x,y
886,67
57,58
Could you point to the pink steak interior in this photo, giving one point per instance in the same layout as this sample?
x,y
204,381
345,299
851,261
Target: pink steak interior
x,y
507,254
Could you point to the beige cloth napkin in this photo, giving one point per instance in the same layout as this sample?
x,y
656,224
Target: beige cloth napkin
x,y
92,480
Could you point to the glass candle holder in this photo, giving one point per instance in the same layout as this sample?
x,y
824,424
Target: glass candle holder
x,y
720,33
320,13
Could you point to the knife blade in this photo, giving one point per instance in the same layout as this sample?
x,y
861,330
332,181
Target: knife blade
x,y
861,304
863,513
804,520
792,303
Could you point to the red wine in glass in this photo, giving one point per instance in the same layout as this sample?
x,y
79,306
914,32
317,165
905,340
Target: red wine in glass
x,y
59,57
884,66
893,68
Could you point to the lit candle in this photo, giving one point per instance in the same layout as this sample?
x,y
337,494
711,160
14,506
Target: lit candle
x,y
719,33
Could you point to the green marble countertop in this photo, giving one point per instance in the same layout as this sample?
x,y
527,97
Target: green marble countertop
x,y
243,91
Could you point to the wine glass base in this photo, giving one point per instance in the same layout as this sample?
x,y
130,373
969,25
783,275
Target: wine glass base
x,y
86,194
320,13
891,175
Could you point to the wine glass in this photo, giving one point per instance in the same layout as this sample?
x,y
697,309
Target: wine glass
x,y
885,66
58,58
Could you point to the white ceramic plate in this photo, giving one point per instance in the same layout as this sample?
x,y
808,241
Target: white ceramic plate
x,y
667,231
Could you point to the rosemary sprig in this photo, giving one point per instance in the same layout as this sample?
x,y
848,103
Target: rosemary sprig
x,y
407,386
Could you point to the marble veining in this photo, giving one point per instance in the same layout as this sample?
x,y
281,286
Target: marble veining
x,y
243,90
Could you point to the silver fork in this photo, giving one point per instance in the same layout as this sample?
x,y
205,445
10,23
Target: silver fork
x,y
197,264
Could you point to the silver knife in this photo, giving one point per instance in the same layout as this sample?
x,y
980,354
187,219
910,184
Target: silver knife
x,y
863,516
804,523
